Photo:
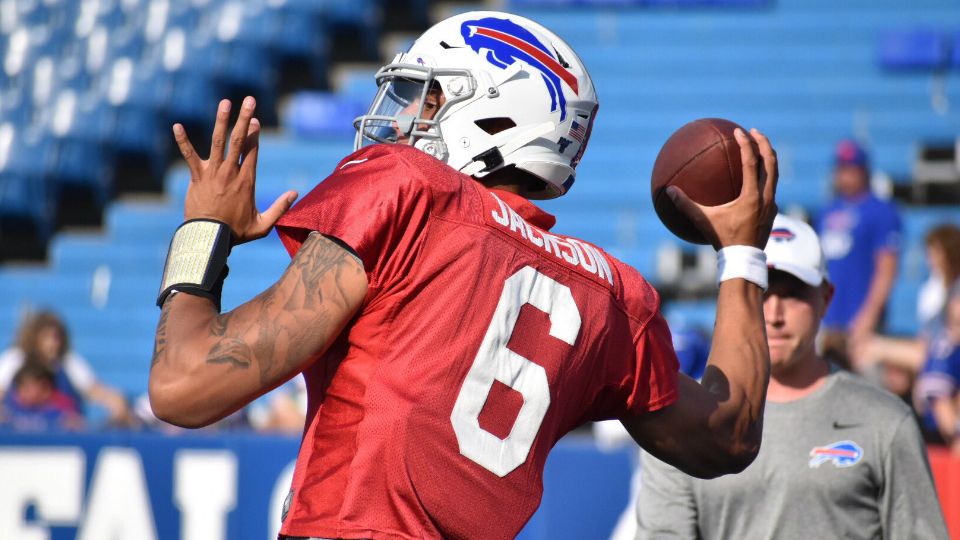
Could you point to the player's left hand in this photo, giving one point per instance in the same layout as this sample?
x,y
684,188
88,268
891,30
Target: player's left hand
x,y
222,187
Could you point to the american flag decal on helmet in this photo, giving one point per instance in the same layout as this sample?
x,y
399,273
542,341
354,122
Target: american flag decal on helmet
x,y
507,42
577,132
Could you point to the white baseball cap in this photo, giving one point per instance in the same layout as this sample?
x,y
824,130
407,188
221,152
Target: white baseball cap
x,y
794,248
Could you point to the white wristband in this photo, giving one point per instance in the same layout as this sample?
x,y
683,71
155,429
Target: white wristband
x,y
746,262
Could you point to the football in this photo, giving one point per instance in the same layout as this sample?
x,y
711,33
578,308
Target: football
x,y
703,159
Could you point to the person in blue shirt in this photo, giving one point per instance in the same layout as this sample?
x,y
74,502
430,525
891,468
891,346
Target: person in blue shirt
x,y
35,404
861,240
937,392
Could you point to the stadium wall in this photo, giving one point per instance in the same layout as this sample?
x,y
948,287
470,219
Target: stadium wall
x,y
200,486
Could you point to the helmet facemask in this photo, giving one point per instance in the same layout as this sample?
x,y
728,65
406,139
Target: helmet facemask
x,y
410,105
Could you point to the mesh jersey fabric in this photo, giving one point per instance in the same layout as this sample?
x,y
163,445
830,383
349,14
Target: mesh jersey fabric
x,y
446,259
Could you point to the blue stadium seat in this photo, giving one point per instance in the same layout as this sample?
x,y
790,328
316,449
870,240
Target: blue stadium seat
x,y
707,3
318,114
26,197
359,85
287,32
955,49
913,49
697,313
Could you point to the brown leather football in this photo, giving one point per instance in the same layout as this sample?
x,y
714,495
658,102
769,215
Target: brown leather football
x,y
703,159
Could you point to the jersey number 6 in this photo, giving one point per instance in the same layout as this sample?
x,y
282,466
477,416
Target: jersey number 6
x,y
495,361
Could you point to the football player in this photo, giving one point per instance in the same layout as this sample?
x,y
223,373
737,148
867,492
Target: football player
x,y
447,338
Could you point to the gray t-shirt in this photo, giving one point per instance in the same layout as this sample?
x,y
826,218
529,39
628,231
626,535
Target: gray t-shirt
x,y
846,461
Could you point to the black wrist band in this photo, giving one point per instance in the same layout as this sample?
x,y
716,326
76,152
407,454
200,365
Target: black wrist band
x,y
197,260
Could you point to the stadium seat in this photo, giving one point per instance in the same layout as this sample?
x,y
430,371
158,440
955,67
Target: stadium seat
x,y
955,50
317,114
707,3
913,49
26,196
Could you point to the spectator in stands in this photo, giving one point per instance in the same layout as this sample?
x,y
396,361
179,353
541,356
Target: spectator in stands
x,y
145,418
861,240
943,259
910,354
283,410
936,395
44,337
35,404
840,458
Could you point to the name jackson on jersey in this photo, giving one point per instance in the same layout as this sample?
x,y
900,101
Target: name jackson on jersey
x,y
569,250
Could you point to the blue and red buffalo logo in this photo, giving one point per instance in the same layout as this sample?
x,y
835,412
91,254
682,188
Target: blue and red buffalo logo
x,y
506,42
841,454
782,235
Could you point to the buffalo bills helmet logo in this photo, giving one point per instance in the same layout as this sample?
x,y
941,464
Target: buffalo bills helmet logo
x,y
782,234
841,454
506,42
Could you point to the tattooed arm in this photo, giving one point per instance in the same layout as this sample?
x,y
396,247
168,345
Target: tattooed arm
x,y
206,365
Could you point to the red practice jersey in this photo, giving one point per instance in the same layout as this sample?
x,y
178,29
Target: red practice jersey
x,y
483,339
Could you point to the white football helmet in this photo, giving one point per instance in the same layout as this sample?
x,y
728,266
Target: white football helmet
x,y
513,94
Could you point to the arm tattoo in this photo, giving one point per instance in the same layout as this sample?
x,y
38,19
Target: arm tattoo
x,y
160,341
230,351
318,271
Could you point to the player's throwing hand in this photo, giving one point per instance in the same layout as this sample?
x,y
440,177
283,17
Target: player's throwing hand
x,y
221,188
746,220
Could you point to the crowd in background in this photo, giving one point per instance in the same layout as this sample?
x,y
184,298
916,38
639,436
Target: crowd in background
x,y
47,386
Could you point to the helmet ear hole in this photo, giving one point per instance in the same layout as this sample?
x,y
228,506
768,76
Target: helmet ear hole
x,y
495,125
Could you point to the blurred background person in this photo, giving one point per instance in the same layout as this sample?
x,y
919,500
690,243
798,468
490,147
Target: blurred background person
x,y
905,357
282,410
936,393
43,338
861,240
144,418
943,259
35,404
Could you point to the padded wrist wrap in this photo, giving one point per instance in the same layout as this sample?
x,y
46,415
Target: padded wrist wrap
x,y
197,260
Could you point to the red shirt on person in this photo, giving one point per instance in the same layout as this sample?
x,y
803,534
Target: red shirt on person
x,y
483,339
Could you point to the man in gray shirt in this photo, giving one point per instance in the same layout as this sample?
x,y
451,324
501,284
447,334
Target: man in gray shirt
x,y
840,458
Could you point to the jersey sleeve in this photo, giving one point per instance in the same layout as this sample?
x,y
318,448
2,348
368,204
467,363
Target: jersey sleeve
x,y
909,507
372,202
655,369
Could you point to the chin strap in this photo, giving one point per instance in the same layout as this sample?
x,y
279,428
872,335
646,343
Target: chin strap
x,y
512,140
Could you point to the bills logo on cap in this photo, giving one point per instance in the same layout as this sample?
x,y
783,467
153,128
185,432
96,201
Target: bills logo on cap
x,y
506,42
841,454
782,234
